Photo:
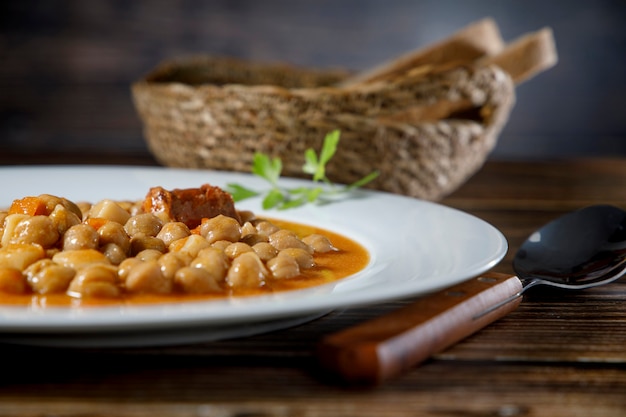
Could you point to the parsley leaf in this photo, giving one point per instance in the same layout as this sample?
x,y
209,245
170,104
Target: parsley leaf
x,y
315,165
267,168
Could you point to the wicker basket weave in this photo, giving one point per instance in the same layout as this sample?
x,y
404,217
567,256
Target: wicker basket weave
x,y
425,130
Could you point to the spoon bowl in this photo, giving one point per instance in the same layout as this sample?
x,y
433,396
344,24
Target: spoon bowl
x,y
580,249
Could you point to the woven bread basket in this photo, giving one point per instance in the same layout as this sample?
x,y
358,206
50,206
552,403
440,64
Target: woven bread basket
x,y
426,127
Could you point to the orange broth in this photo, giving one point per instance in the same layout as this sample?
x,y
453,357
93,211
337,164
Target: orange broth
x,y
350,258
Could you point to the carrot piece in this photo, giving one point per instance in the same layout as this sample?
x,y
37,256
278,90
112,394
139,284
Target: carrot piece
x,y
96,222
196,230
32,206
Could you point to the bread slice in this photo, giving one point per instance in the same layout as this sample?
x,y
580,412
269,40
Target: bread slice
x,y
476,40
526,56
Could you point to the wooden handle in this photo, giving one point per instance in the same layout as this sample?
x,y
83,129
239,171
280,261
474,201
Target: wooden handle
x,y
376,350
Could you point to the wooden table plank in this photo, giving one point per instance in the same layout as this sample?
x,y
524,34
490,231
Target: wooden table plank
x,y
437,389
558,185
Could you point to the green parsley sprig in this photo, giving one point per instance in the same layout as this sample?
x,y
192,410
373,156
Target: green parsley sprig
x,y
284,198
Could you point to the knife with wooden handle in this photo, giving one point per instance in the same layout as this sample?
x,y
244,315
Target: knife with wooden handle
x,y
379,349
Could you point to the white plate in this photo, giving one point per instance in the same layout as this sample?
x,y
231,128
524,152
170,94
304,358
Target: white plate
x,y
416,247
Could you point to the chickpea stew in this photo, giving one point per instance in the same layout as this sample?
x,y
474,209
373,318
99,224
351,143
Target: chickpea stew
x,y
177,245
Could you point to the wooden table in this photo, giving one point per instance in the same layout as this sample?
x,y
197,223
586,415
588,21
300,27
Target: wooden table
x,y
559,354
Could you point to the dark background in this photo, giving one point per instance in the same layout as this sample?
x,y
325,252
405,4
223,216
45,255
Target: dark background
x,y
66,66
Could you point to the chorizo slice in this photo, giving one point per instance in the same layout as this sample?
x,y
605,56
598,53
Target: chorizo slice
x,y
190,205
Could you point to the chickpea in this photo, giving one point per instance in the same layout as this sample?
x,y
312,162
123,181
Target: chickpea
x,y
140,243
95,281
247,271
265,251
214,261
254,238
170,263
173,231
319,243
248,229
52,201
212,251
149,255
147,277
50,252
221,244
12,281
80,236
283,267
47,277
80,259
73,207
221,228
127,205
113,232
125,267
110,210
114,253
190,245
35,229
63,218
235,249
20,255
246,216
303,258
184,256
266,228
146,224
196,281
284,239
84,208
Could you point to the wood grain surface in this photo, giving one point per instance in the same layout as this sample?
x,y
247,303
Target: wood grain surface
x,y
560,353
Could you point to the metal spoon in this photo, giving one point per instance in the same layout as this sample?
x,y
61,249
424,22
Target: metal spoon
x,y
581,249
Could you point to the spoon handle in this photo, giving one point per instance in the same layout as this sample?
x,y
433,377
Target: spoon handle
x,y
384,347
